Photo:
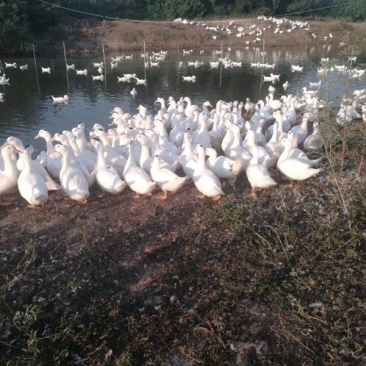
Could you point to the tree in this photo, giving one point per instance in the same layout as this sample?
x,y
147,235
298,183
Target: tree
x,y
353,10
170,9
13,25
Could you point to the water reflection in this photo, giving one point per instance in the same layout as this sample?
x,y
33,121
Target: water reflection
x,y
28,106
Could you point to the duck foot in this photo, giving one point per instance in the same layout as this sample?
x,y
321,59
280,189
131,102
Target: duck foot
x,y
101,194
216,198
32,206
163,196
83,202
253,193
136,195
200,196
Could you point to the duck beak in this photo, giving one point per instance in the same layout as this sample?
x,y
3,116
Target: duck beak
x,y
37,137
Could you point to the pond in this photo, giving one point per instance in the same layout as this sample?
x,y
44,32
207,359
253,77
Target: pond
x,y
28,106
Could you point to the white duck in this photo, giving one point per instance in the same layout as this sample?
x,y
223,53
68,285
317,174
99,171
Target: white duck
x,y
223,166
167,180
235,148
8,176
111,154
188,158
314,142
162,150
301,131
75,158
136,177
297,153
36,165
205,180
257,174
263,155
86,156
32,186
72,179
53,158
82,142
201,136
57,100
176,134
106,175
133,92
46,70
292,168
146,160
189,78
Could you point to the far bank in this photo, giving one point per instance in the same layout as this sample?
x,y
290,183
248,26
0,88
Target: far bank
x,y
85,38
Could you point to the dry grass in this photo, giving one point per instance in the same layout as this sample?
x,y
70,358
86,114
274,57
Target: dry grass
x,y
86,37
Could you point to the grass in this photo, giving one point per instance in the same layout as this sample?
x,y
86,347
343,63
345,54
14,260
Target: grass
x,y
277,280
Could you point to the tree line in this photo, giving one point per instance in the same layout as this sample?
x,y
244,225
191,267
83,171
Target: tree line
x,y
20,20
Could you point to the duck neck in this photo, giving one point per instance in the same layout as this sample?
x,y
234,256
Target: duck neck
x,y
237,141
201,158
131,159
10,164
285,153
145,153
103,137
100,156
81,141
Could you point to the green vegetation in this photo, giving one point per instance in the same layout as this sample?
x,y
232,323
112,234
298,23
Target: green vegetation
x,y
22,20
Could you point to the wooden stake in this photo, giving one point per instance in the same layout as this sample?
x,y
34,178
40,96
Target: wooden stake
x,y
105,66
35,66
67,73
221,65
145,60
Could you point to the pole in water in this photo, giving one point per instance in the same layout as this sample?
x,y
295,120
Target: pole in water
x,y
144,58
105,66
221,65
67,73
178,62
35,66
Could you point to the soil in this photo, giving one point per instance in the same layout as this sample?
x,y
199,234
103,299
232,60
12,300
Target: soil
x,y
86,37
277,279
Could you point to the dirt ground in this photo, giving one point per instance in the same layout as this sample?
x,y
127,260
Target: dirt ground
x,y
86,37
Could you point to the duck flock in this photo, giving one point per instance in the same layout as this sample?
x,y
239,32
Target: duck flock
x,y
181,143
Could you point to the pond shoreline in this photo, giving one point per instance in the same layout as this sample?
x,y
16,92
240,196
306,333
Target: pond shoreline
x,y
86,37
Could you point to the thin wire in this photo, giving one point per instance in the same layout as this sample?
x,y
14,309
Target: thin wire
x,y
77,11
316,9
149,21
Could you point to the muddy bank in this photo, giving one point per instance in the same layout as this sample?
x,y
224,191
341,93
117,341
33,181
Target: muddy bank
x,y
86,37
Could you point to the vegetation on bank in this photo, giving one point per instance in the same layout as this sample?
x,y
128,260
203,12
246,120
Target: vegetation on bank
x,y
24,21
